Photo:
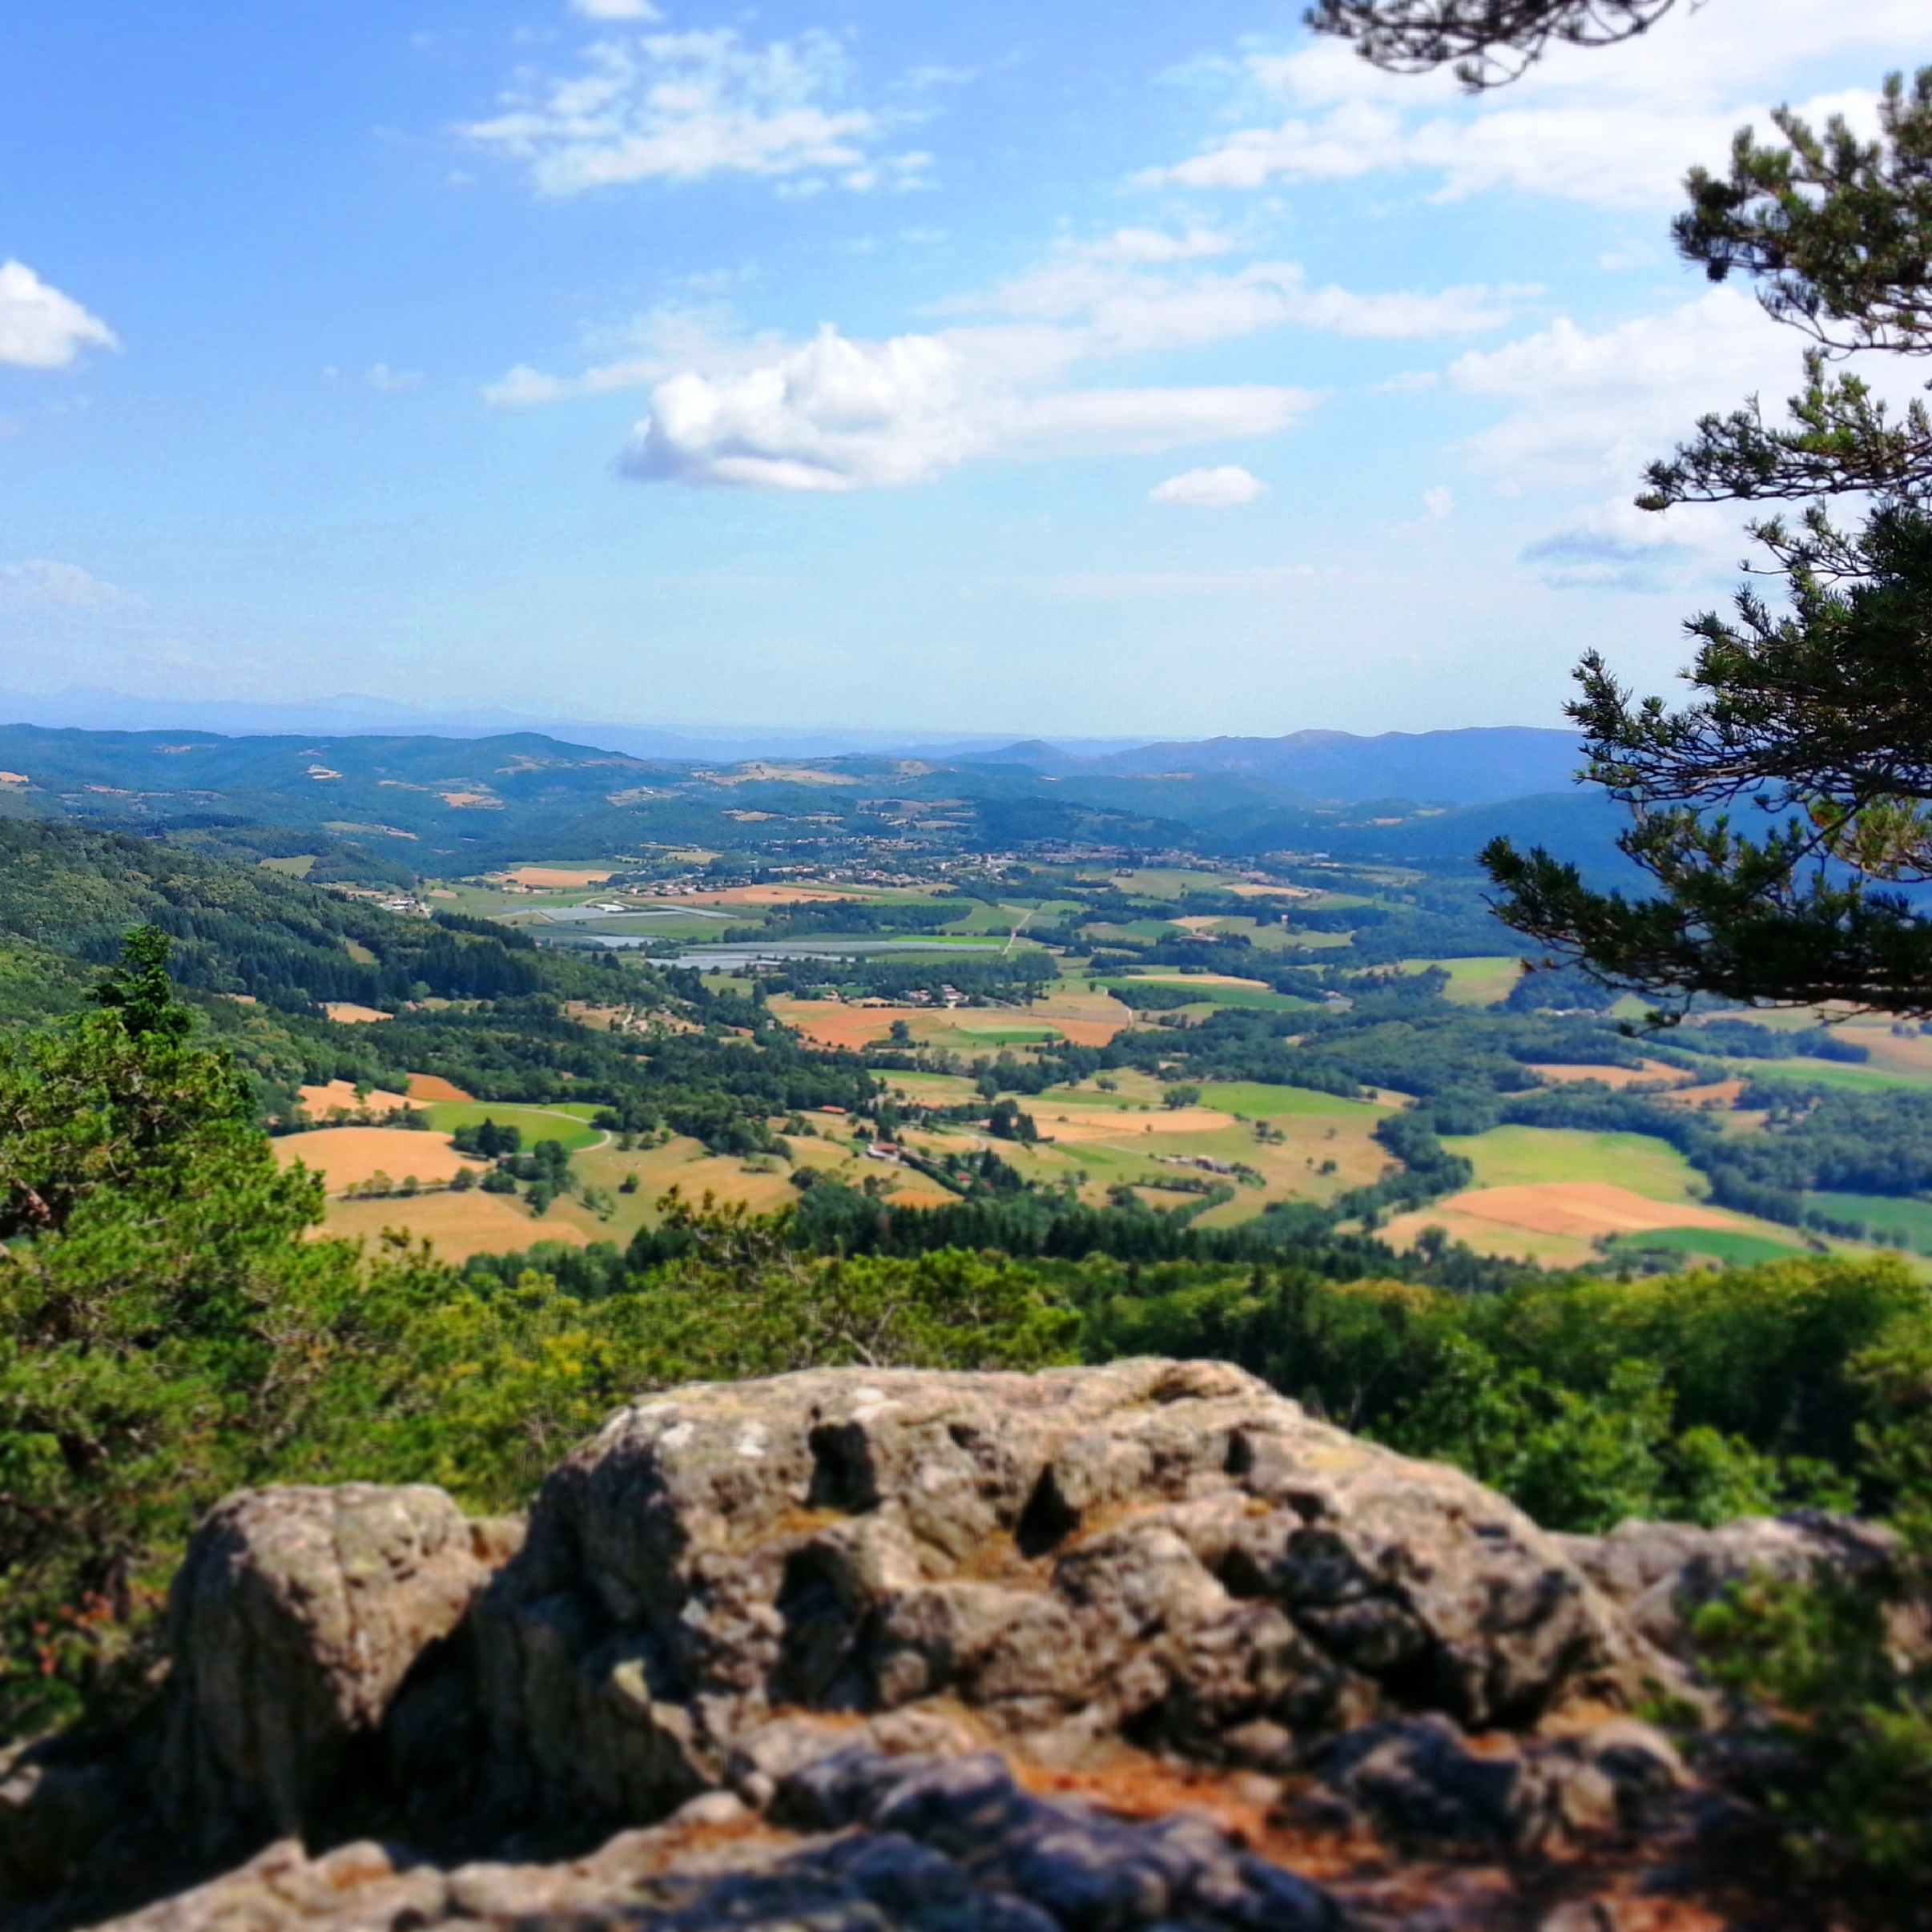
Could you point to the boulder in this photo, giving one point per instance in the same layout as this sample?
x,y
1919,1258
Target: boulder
x,y
1167,1551
1423,1786
295,1619
898,1844
1662,1574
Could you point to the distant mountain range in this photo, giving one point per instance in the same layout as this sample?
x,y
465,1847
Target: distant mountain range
x,y
351,715
1475,766
1481,765
455,804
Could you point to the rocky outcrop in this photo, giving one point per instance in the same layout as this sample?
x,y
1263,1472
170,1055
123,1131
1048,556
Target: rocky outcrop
x,y
1166,1552
1099,1648
1662,1574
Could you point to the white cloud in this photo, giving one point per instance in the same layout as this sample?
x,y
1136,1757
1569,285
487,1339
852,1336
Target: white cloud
x,y
615,10
1593,409
1217,489
681,106
707,337
39,580
387,381
1438,504
1129,293
40,328
837,414
1616,130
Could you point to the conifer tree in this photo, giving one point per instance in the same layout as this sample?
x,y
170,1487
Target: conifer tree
x,y
1783,809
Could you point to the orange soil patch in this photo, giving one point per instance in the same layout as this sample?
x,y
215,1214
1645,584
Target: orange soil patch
x,y
1090,1032
459,1225
832,1023
1726,1092
320,1102
1584,1208
349,1013
922,1194
564,877
345,1156
433,1087
1650,1071
1117,1124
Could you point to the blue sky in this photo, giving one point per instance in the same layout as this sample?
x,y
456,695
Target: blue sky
x,y
1126,369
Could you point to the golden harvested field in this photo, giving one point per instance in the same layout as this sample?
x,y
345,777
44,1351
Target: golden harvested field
x,y
834,1023
1895,1053
318,1103
459,1225
349,1013
1716,1092
1651,1072
346,1156
1586,1208
1086,1019
1067,1122
433,1087
557,877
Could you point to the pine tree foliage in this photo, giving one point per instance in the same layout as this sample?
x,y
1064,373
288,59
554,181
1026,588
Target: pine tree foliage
x,y
1785,812
1486,41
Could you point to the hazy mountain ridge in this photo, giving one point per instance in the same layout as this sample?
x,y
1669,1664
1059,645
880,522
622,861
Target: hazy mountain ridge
x,y
426,801
1478,765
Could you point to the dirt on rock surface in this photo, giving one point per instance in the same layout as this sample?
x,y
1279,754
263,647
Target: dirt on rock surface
x,y
1087,1651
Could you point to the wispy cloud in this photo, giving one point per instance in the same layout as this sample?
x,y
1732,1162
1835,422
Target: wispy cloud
x,y
1614,132
40,328
1141,289
682,106
615,10
41,581
1221,488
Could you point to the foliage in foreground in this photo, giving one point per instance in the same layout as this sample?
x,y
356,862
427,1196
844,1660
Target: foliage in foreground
x,y
167,1332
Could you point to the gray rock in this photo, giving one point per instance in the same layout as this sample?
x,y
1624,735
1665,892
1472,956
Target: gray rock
x,y
1662,1573
1170,1547
939,1845
1425,1786
53,1812
294,1620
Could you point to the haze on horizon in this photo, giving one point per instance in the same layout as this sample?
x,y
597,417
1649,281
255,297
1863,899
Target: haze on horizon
x,y
1125,372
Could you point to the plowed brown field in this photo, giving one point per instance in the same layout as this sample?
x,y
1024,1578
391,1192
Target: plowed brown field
x,y
433,1087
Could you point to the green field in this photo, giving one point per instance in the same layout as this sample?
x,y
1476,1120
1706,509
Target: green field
x,y
1211,995
1516,1157
568,1121
1881,1213
1820,1072
1259,1101
1010,1036
1478,982
1719,1243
